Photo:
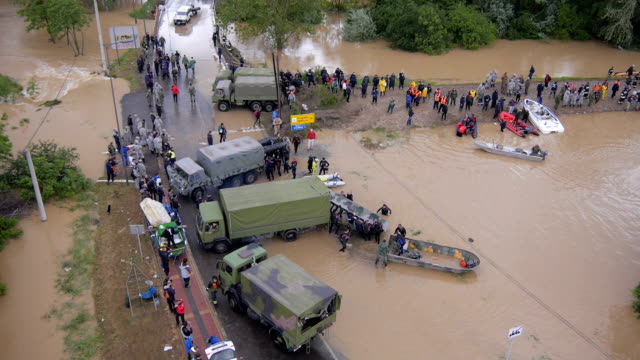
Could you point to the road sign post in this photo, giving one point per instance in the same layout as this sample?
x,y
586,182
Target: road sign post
x,y
511,335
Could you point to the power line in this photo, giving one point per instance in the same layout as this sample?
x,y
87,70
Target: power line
x,y
500,269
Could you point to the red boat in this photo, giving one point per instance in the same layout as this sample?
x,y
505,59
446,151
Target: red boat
x,y
518,127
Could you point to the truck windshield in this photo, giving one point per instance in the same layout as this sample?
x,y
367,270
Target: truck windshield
x,y
182,13
182,173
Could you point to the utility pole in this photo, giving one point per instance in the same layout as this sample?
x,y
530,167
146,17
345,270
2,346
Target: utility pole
x,y
104,58
115,111
36,188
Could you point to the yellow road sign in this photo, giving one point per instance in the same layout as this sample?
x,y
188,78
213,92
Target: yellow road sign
x,y
303,119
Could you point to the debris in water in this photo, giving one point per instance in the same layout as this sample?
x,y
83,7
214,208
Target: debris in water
x,y
67,268
471,240
168,347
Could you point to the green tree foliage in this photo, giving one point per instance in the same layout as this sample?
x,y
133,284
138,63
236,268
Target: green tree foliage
x,y
8,86
432,38
8,231
569,24
359,26
499,12
469,28
5,148
58,175
619,29
636,304
278,20
60,18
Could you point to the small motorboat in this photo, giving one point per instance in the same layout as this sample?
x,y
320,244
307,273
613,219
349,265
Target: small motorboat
x,y
543,118
517,127
534,155
468,125
332,180
430,255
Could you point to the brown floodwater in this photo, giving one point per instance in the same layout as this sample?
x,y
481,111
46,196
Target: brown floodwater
x,y
29,266
565,230
325,47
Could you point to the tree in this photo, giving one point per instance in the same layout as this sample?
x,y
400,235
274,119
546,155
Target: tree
x,y
618,28
433,38
58,175
500,12
278,20
469,28
35,14
66,18
359,26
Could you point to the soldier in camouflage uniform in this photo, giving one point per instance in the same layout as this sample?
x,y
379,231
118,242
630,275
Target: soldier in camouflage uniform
x,y
383,252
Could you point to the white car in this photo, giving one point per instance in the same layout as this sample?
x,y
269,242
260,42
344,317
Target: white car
x,y
223,350
184,14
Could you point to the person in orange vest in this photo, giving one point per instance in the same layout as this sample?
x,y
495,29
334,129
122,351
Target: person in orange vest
x,y
443,102
416,97
180,310
436,98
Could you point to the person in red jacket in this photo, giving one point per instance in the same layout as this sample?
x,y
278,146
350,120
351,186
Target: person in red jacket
x,y
180,310
311,138
175,91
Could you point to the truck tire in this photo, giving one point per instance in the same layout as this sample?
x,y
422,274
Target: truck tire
x,y
236,181
278,340
255,105
269,106
234,302
290,235
197,194
224,106
221,246
250,177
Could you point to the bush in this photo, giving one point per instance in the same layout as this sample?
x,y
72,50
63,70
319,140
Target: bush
x,y
636,303
327,98
470,29
359,26
3,289
8,87
8,230
145,11
58,175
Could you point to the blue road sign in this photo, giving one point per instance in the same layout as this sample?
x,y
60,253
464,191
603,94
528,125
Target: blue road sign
x,y
298,127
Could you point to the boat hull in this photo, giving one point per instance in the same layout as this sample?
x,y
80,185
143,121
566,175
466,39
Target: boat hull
x,y
426,247
543,118
507,151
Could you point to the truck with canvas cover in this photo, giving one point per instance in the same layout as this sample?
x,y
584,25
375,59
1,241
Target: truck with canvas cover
x,y
242,214
256,91
293,304
232,163
241,71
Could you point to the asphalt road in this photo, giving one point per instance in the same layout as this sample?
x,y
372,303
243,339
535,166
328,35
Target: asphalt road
x,y
187,125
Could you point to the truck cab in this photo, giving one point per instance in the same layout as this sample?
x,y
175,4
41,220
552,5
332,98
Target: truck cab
x,y
222,95
230,267
188,178
212,231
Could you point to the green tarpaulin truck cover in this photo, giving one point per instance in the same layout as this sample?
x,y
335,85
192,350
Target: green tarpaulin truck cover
x,y
275,206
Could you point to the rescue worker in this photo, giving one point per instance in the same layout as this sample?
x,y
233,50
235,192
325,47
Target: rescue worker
x,y
443,103
294,167
344,239
324,166
269,167
436,99
222,132
170,295
383,253
213,287
384,209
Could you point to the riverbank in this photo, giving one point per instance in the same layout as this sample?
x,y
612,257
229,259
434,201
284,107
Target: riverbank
x,y
361,114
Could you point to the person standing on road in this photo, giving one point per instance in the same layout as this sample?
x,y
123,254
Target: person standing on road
x,y
277,123
192,66
257,114
296,142
383,253
222,132
185,272
311,139
180,310
192,92
213,287
185,63
220,55
210,137
175,91
531,71
170,294
344,240
269,166
294,167
164,253
410,116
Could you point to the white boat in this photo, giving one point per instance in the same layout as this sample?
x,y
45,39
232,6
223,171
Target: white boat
x,y
543,118
328,177
509,151
334,183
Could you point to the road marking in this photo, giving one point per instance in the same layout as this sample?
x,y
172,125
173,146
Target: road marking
x,y
333,354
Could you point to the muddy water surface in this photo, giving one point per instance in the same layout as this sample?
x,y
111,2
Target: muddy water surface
x,y
29,267
565,230
326,47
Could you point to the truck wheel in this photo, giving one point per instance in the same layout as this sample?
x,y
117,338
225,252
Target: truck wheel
x,y
250,177
255,105
234,302
278,340
236,181
197,195
269,106
223,106
221,246
290,235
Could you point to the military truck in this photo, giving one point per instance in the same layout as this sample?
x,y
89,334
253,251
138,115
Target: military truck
x,y
242,214
255,87
242,71
292,303
228,164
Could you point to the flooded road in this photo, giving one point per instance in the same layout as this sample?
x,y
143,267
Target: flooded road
x,y
557,240
325,47
29,266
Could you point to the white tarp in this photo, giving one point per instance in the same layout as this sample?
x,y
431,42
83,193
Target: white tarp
x,y
155,212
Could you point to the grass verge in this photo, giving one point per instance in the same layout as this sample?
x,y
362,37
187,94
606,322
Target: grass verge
x,y
126,67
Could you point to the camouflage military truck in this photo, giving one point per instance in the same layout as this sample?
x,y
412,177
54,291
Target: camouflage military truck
x,y
229,164
283,207
293,304
255,87
243,71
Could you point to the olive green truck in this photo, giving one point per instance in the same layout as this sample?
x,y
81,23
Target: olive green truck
x,y
293,304
244,214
